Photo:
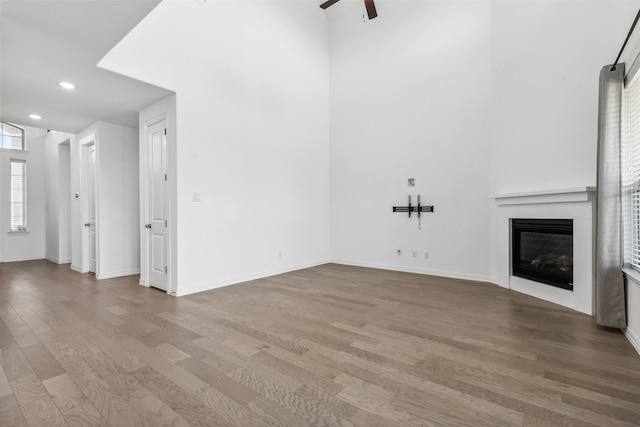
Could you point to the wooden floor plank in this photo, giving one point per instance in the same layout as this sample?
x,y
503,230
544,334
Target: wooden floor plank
x,y
5,387
188,405
42,362
14,363
331,345
74,406
114,407
175,373
36,404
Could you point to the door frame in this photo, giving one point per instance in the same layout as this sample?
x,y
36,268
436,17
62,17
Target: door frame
x,y
145,212
85,143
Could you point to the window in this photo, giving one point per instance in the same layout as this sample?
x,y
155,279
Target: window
x,y
18,195
11,137
631,168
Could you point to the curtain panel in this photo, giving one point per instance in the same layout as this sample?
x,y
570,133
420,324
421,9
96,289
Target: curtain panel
x,y
609,289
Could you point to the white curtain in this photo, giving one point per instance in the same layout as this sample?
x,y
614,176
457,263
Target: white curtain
x,y
610,291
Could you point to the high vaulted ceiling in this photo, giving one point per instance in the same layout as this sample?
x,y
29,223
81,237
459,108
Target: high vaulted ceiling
x,y
43,42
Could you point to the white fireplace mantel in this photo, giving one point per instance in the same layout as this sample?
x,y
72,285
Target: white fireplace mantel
x,y
564,195
571,203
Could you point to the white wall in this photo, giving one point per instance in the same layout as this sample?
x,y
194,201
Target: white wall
x,y
633,313
51,197
471,99
57,197
546,61
118,201
64,202
118,198
410,93
252,133
31,245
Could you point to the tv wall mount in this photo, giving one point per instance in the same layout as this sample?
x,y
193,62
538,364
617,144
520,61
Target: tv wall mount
x,y
419,209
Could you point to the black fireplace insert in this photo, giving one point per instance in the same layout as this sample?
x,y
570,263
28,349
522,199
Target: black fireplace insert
x,y
542,251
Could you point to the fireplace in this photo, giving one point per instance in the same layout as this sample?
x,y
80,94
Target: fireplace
x,y
542,251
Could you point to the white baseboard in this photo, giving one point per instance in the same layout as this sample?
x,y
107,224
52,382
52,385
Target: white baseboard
x,y
35,258
633,338
112,274
76,268
247,278
429,272
495,281
57,260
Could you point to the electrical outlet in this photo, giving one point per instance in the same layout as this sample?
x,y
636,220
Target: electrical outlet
x,y
414,254
426,254
398,252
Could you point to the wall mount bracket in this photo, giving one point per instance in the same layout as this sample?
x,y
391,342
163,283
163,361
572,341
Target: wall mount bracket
x,y
419,209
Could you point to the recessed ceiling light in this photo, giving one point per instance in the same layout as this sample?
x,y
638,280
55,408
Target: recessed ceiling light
x,y
35,116
67,85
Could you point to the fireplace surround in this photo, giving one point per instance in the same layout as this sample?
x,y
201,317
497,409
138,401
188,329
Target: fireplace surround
x,y
576,204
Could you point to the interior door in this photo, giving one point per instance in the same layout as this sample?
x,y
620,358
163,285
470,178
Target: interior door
x,y
90,176
157,241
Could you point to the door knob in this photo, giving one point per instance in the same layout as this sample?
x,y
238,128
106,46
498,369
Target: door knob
x,y
88,224
147,226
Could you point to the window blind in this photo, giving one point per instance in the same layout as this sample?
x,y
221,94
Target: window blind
x,y
631,138
18,195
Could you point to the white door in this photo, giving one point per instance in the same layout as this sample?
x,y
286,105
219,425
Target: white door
x,y
90,207
157,225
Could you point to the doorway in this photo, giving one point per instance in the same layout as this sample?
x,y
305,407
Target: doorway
x,y
155,239
64,202
89,206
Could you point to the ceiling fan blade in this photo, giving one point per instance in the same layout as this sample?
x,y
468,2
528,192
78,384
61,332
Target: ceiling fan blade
x,y
328,3
371,9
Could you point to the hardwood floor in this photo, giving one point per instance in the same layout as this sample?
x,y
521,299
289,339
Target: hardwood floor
x,y
329,346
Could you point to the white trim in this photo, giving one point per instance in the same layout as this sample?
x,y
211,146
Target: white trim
x,y
633,279
85,143
424,271
631,72
76,268
163,109
121,273
23,259
241,279
57,260
494,280
633,338
575,194
144,198
12,150
632,274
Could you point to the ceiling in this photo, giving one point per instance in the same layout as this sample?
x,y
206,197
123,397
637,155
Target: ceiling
x,y
43,42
